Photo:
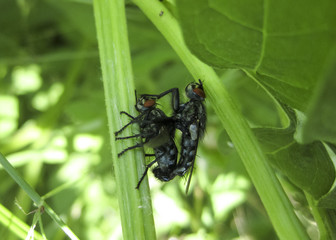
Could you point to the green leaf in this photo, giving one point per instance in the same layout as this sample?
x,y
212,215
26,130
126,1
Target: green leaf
x,y
259,108
321,116
329,199
284,43
307,166
295,97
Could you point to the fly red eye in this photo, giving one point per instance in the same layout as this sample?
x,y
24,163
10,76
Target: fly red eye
x,y
149,103
199,92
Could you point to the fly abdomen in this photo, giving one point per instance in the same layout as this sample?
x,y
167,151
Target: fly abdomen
x,y
166,157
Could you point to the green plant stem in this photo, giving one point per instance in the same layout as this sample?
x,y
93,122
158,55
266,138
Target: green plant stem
x,y
270,191
135,206
324,218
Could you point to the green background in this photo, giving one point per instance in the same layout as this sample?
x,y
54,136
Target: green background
x,y
276,59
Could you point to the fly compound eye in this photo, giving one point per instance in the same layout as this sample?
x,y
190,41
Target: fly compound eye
x,y
149,103
199,92
144,103
195,91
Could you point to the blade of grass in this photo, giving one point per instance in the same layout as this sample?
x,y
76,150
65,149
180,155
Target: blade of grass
x,y
15,225
22,183
35,197
135,206
59,222
270,191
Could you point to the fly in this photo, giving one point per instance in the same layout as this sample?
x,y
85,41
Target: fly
x,y
156,131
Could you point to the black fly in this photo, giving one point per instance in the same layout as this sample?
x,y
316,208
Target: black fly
x,y
156,131
191,120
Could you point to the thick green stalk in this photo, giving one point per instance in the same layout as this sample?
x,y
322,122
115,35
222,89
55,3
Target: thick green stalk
x,y
135,206
270,191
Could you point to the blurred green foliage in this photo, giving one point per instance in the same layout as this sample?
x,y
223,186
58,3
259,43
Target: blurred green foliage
x,y
53,130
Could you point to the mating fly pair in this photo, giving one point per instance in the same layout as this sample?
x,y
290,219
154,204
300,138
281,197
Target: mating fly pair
x,y
157,131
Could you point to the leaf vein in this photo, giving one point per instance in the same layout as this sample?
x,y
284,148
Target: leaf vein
x,y
230,18
264,36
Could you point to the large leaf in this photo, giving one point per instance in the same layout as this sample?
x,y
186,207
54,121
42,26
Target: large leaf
x,y
321,115
257,106
284,43
307,166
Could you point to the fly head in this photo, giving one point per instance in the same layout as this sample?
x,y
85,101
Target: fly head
x,y
145,103
195,91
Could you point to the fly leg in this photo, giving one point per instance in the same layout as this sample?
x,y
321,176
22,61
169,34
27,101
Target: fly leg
x,y
134,146
131,122
149,155
129,148
175,97
128,137
145,173
127,114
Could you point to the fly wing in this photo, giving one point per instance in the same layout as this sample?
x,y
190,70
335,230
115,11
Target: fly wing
x,y
191,149
189,177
